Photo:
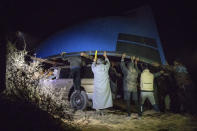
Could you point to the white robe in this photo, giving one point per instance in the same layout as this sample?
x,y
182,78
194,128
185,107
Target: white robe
x,y
102,97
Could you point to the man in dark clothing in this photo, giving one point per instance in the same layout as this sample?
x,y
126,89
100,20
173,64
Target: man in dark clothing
x,y
114,77
164,91
184,85
130,82
185,89
75,66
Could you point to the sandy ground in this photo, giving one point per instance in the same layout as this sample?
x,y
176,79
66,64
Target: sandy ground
x,y
117,120
150,121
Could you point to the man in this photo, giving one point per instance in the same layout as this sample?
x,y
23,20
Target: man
x,y
114,77
102,97
185,88
130,82
181,74
75,65
146,87
164,91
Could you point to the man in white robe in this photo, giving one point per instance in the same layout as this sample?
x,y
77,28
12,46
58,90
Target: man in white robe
x,y
102,97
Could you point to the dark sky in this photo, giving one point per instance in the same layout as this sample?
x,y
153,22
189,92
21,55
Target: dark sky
x,y
41,18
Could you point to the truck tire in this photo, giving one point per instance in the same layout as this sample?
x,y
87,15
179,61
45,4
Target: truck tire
x,y
79,100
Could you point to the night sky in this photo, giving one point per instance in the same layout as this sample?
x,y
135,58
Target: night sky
x,y
41,19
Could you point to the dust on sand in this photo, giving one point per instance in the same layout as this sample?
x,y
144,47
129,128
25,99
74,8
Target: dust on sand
x,y
116,120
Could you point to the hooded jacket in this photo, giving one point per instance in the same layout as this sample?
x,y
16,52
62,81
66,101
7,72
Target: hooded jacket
x,y
130,77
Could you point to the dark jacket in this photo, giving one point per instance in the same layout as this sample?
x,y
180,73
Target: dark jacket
x,y
75,61
130,78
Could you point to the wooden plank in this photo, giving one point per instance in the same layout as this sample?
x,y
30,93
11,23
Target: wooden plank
x,y
46,61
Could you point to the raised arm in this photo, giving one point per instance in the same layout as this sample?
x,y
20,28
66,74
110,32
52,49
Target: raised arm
x,y
63,55
122,64
136,67
106,59
86,56
93,66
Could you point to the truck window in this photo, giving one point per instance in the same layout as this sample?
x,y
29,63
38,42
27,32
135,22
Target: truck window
x,y
86,72
65,73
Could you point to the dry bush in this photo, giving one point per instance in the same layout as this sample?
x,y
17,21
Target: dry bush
x,y
23,84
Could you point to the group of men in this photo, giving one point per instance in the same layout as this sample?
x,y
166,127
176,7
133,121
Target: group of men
x,y
130,84
184,88
102,95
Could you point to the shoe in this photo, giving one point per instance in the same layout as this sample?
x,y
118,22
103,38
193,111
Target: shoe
x,y
135,116
155,107
128,117
99,112
139,117
102,113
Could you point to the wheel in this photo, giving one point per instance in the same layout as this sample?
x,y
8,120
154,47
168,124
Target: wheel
x,y
79,100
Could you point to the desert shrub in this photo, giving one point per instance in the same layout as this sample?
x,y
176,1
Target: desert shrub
x,y
23,83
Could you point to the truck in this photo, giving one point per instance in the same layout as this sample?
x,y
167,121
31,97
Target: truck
x,y
62,79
